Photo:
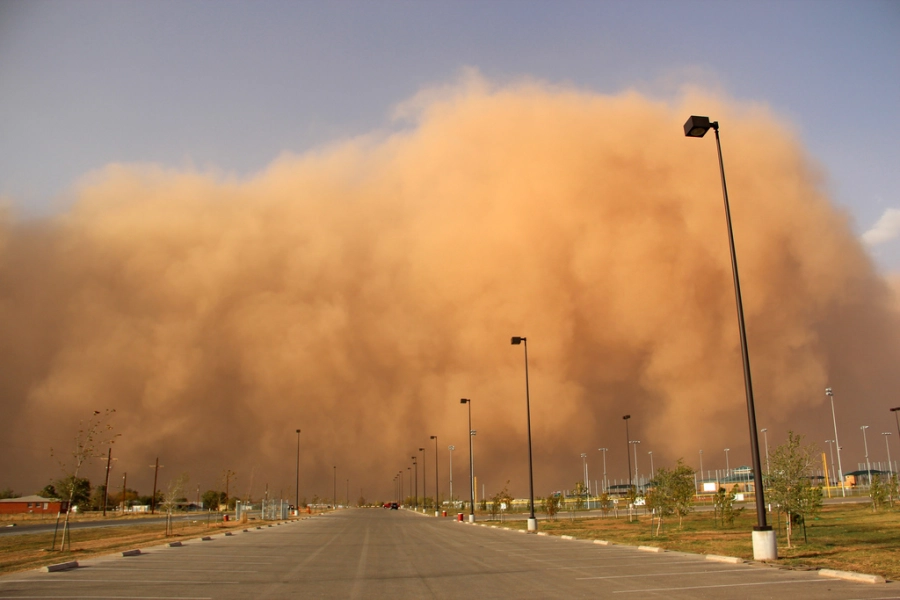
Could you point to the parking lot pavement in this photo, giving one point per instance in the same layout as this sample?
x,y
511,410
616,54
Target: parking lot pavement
x,y
373,553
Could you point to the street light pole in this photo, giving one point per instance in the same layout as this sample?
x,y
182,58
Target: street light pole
x,y
765,433
634,444
532,521
605,484
868,466
888,446
297,496
437,501
334,490
897,418
764,542
831,457
628,451
701,465
416,495
450,450
424,485
727,466
471,463
837,442
652,471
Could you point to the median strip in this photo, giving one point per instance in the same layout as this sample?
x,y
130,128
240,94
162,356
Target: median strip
x,y
851,576
61,566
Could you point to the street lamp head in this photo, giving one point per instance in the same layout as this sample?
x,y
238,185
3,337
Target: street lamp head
x,y
763,430
464,400
698,126
626,417
863,426
298,431
895,409
517,340
451,448
421,449
828,392
434,437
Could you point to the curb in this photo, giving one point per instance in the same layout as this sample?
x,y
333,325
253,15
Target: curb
x,y
175,544
60,567
568,537
131,553
851,576
724,559
602,542
650,549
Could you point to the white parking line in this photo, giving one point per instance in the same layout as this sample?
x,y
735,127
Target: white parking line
x,y
679,573
726,585
71,580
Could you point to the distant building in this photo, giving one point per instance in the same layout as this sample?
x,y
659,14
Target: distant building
x,y
32,505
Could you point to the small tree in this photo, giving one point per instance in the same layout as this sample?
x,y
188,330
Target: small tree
x,y
550,505
660,498
789,481
8,493
92,437
723,501
878,492
606,503
683,490
580,493
212,499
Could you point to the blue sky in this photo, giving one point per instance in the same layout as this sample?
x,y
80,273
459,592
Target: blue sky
x,y
231,85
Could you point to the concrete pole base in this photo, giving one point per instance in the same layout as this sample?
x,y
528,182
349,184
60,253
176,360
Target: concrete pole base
x,y
471,518
437,513
532,524
765,545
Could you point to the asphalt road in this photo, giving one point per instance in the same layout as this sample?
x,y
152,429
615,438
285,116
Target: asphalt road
x,y
384,554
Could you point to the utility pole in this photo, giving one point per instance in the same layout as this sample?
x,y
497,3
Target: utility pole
x,y
106,485
155,477
124,492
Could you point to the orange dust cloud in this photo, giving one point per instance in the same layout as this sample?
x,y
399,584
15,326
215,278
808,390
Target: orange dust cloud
x,y
359,291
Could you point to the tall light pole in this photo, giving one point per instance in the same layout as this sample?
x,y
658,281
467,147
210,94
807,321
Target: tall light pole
x,y
424,486
765,433
701,465
888,446
437,501
584,476
897,418
334,489
297,495
634,444
471,463
831,457
868,466
727,466
765,546
450,450
652,471
837,442
532,521
416,487
628,451
605,484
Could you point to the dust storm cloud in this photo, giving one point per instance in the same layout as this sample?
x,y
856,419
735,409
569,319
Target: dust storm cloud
x,y
357,292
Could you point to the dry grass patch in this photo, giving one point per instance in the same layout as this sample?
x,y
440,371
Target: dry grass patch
x,y
848,537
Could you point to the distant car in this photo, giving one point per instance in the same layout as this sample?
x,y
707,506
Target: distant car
x,y
394,506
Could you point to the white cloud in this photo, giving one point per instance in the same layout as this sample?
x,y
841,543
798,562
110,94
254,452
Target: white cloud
x,y
886,229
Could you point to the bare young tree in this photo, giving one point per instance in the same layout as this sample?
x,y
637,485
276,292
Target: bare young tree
x,y
92,438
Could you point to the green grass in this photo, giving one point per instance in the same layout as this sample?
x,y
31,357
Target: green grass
x,y
847,537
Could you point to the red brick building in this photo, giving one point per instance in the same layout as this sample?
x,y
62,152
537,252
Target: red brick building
x,y
32,505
